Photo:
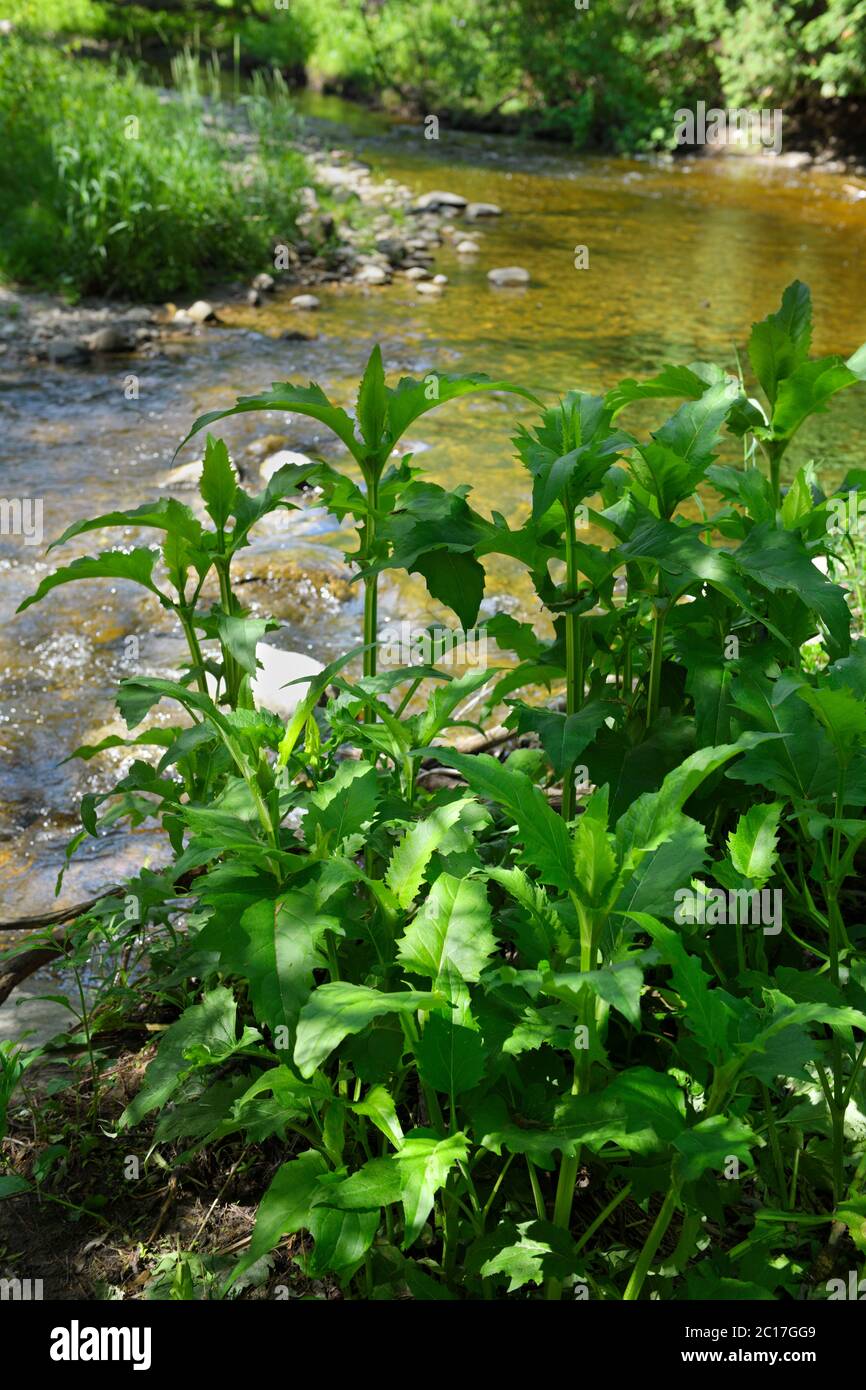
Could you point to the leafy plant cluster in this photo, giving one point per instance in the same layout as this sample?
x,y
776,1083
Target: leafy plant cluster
x,y
493,1057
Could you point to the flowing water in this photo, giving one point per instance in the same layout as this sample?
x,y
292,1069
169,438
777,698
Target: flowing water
x,y
682,257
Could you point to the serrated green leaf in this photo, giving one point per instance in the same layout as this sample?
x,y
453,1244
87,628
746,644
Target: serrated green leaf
x,y
218,484
753,845
337,1009
411,856
135,565
453,925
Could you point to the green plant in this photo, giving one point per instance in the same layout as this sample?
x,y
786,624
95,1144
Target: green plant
x,y
479,1034
384,414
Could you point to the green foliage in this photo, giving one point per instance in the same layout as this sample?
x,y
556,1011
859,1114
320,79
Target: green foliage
x,y
106,188
442,1004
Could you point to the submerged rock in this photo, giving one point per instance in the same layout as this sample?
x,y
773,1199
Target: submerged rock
x,y
201,311
305,302
109,339
508,275
372,275
475,210
429,202
185,475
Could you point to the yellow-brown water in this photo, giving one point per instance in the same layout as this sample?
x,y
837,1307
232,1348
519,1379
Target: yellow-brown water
x,y
682,258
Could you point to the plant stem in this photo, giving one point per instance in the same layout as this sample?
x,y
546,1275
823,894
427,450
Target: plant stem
x,y
602,1217
775,1146
651,1245
192,642
655,676
85,1023
371,586
537,1194
574,656
838,1106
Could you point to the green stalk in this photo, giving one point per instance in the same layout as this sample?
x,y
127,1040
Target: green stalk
x,y
838,1106
232,671
570,1166
186,622
724,1080
602,1217
537,1194
774,450
574,654
655,677
775,1146
371,586
85,1023
651,1245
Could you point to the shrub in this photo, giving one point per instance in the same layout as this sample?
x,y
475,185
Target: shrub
x,y
451,1007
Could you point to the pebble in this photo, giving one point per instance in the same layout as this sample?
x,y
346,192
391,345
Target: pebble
x,y
372,275
467,248
307,302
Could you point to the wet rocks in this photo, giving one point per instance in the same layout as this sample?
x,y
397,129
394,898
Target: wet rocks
x,y
437,201
508,275
184,475
393,249
67,352
467,247
307,303
110,339
267,444
264,283
372,274
201,311
474,211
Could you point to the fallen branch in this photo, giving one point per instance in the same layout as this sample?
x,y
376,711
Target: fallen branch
x,y
60,914
17,969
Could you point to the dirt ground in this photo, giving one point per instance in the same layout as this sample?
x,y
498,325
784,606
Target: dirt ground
x,y
99,1232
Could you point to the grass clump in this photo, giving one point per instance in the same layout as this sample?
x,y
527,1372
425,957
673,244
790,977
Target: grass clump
x,y
109,187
